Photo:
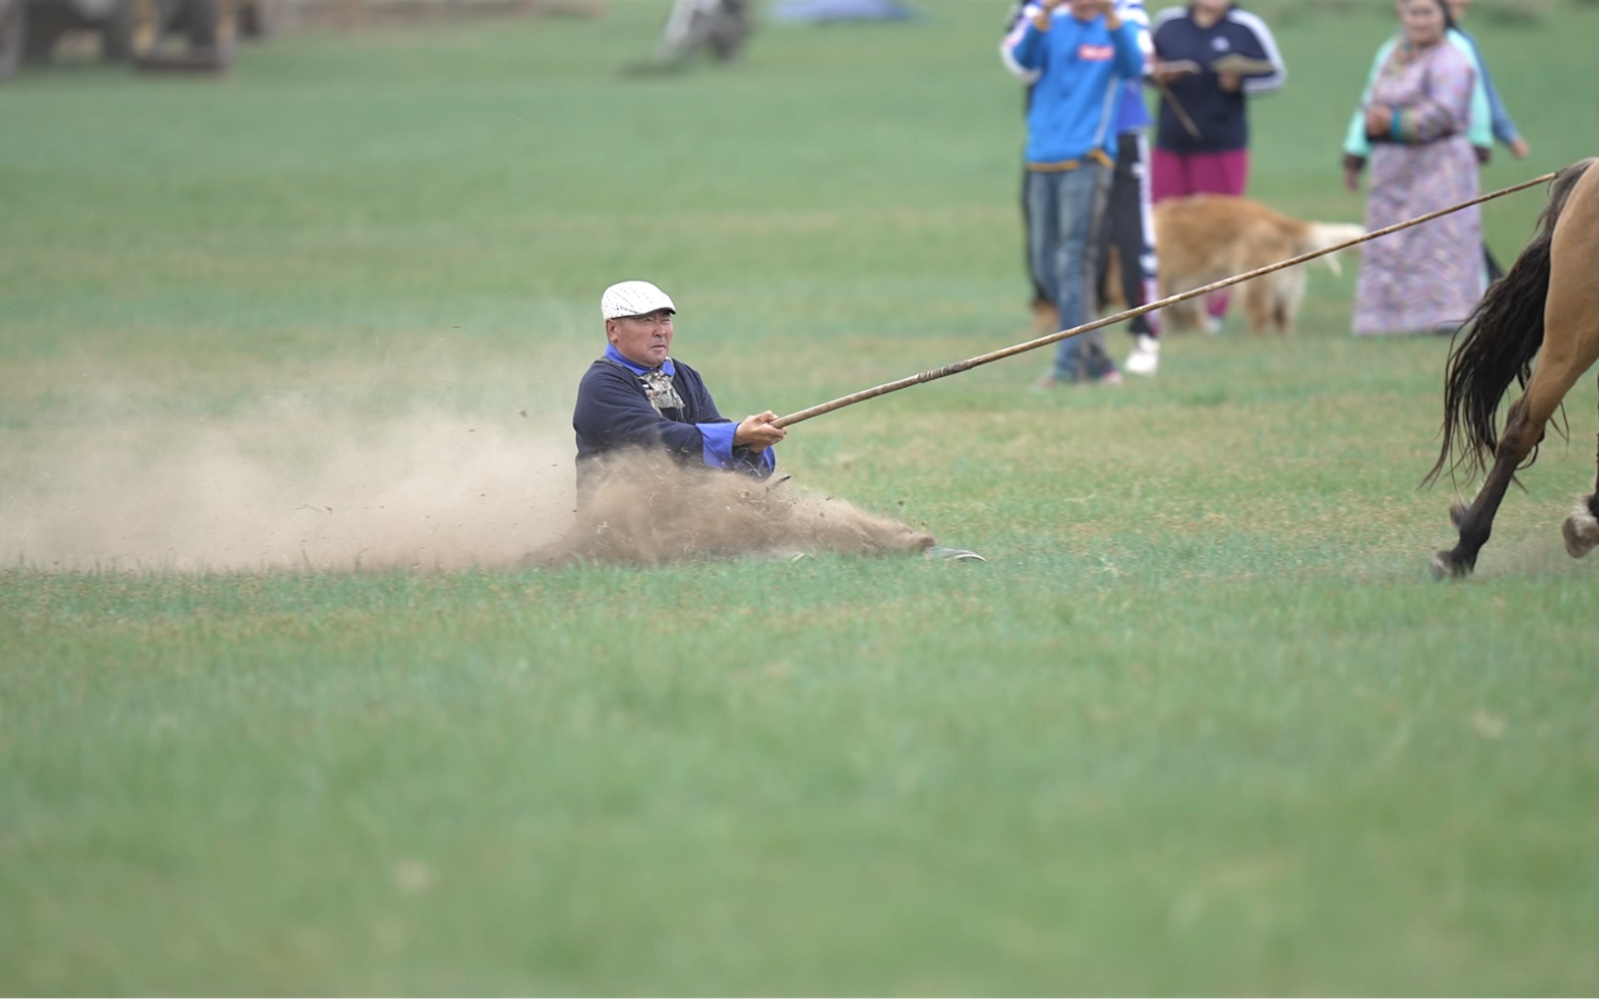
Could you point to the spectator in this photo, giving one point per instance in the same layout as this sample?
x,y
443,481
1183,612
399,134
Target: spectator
x,y
637,396
1128,224
1503,129
1079,52
1480,132
1415,121
1210,56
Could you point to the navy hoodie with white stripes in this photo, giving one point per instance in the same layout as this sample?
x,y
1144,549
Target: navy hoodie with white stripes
x,y
1219,117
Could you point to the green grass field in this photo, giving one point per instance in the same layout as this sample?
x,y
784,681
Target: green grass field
x,y
1202,724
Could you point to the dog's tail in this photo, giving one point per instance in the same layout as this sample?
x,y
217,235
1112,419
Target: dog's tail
x,y
1323,235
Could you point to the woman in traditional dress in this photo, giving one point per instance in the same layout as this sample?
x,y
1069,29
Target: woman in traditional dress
x,y
1414,123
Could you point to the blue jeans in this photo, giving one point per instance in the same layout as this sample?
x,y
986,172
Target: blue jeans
x,y
1063,210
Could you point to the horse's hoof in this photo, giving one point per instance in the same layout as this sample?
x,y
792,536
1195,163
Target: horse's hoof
x,y
1438,567
1457,513
1581,530
1445,566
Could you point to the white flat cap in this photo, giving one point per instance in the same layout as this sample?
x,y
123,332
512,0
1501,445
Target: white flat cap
x,y
633,298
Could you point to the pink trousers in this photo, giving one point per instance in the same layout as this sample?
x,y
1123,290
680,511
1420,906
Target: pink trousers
x,y
1177,175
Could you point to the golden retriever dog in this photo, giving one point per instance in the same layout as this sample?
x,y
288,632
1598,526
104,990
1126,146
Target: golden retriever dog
x,y
1208,237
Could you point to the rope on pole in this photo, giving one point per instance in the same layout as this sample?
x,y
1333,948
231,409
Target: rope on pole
x,y
1021,348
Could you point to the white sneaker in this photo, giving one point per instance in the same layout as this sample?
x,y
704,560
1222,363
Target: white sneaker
x,y
1145,357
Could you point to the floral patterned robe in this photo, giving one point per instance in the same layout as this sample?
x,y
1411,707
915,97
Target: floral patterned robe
x,y
1429,276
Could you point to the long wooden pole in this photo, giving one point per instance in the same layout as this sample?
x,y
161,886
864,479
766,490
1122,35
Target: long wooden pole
x,y
1177,109
1022,348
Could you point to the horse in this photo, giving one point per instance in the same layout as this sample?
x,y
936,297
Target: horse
x,y
1546,305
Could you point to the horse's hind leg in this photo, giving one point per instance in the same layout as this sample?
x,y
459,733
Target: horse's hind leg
x,y
1573,304
1475,522
1569,346
1561,363
1581,529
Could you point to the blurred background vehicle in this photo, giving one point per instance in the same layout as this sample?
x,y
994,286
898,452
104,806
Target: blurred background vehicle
x,y
718,27
150,34
13,25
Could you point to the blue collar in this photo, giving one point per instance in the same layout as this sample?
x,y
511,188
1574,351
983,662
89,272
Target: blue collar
x,y
615,355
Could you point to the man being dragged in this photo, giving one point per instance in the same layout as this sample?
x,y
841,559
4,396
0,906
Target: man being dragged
x,y
653,453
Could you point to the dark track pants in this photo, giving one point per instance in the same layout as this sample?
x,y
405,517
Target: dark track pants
x,y
1129,226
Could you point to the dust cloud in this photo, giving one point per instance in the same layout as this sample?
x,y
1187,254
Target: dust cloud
x,y
429,492
295,492
647,509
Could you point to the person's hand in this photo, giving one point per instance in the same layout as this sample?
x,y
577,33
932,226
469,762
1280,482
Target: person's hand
x,y
1165,72
757,432
1352,166
1379,120
1519,148
1229,82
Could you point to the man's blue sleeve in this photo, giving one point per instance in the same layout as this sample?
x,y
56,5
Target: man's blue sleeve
x,y
719,452
716,436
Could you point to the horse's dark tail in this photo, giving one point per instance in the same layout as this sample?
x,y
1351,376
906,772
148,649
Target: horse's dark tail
x,y
1497,344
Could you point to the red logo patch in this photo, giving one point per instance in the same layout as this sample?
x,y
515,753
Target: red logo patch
x,y
1096,53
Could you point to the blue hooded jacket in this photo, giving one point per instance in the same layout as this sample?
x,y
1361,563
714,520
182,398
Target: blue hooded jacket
x,y
1082,66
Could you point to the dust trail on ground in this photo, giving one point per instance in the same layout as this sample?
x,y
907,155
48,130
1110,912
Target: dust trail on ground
x,y
309,491
293,491
1543,555
648,509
